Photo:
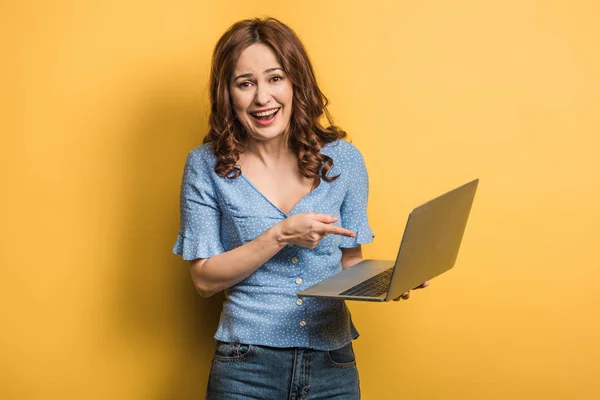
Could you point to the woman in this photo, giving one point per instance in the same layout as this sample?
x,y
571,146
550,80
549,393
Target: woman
x,y
271,204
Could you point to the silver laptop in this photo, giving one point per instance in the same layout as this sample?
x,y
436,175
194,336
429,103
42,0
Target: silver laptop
x,y
429,247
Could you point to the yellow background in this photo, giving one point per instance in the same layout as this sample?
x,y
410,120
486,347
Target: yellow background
x,y
102,100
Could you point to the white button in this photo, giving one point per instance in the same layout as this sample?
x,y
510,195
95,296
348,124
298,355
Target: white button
x,y
298,280
302,323
295,260
299,302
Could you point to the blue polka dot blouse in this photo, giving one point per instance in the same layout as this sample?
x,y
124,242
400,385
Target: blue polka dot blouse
x,y
219,214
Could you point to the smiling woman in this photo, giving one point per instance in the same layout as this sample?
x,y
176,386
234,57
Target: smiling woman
x,y
273,203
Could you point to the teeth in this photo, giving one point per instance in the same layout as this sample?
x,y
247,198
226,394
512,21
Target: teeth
x,y
265,113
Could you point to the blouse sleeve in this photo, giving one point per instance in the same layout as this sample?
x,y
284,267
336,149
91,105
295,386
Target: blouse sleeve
x,y
354,206
200,229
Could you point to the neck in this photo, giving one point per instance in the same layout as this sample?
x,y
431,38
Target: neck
x,y
269,152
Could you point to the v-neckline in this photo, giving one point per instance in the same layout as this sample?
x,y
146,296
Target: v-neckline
x,y
273,204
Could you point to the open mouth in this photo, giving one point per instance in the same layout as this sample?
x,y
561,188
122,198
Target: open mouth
x,y
266,116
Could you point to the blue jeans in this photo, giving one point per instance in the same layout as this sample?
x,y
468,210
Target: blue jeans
x,y
242,371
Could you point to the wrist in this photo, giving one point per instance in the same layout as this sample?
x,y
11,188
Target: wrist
x,y
280,235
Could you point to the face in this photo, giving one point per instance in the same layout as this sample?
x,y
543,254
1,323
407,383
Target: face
x,y
261,93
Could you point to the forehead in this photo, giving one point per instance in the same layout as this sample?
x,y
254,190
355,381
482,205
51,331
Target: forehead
x,y
256,58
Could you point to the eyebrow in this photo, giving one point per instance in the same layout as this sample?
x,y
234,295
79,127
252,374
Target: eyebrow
x,y
249,75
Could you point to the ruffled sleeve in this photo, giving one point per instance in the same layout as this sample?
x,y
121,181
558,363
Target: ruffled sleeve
x,y
200,229
354,206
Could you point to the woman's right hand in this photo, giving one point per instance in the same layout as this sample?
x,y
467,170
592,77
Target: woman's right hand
x,y
307,229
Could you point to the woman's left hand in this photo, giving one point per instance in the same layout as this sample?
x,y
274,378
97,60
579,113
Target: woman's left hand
x,y
406,295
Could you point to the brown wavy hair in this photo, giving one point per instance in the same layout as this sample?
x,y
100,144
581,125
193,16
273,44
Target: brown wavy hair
x,y
306,136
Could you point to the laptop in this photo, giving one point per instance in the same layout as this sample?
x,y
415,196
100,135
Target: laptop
x,y
429,247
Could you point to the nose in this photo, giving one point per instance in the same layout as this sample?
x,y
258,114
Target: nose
x,y
262,95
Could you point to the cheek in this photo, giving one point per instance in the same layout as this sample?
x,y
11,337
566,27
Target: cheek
x,y
239,102
284,94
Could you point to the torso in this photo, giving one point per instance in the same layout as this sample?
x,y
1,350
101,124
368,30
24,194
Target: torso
x,y
263,308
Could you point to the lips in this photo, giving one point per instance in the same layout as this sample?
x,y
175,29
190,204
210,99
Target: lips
x,y
265,114
265,117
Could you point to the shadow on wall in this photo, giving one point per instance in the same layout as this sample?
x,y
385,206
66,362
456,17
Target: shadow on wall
x,y
169,325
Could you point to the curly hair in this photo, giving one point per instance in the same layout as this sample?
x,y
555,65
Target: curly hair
x,y
306,133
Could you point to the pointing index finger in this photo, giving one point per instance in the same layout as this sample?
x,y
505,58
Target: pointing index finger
x,y
338,230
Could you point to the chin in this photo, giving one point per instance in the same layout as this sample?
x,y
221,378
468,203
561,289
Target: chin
x,y
267,133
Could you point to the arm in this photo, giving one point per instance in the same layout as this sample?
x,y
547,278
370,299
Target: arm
x,y
351,256
211,275
212,269
353,211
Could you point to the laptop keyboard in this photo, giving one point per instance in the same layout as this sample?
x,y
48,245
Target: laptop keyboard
x,y
372,287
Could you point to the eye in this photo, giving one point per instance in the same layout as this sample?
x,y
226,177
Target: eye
x,y
276,78
244,85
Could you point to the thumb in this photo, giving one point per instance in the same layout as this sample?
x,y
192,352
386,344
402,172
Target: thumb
x,y
325,218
